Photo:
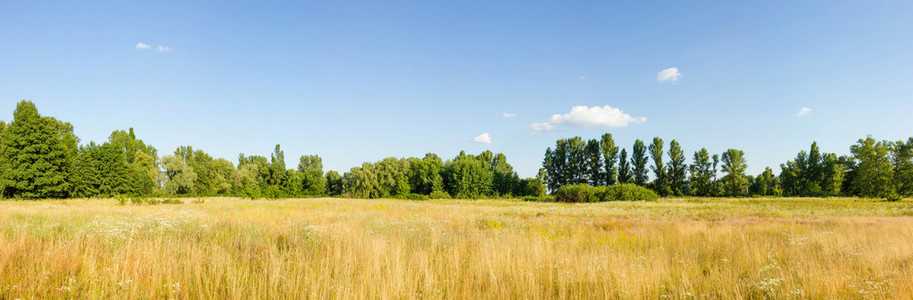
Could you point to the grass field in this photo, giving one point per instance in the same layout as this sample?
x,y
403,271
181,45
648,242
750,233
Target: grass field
x,y
227,248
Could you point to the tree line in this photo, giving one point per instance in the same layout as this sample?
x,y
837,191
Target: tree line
x,y
872,169
41,157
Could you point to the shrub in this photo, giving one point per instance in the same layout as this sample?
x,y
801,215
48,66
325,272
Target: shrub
x,y
413,196
630,192
815,193
439,195
893,197
538,198
575,193
121,200
622,192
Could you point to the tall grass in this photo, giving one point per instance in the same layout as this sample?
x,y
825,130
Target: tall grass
x,y
226,248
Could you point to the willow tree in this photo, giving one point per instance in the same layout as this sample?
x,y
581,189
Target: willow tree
x,y
873,171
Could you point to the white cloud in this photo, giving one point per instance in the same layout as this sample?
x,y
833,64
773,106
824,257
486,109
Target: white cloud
x,y
670,74
482,138
582,77
592,117
803,111
161,48
508,115
142,46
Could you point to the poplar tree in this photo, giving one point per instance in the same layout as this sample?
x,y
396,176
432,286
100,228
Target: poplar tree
x,y
639,163
660,184
624,167
702,174
677,168
610,158
594,164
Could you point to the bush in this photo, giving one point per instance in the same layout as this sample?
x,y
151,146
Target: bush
x,y
630,192
815,193
172,201
622,192
439,195
413,196
893,197
538,198
121,200
576,193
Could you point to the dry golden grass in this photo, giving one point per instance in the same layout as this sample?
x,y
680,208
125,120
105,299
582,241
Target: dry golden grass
x,y
230,248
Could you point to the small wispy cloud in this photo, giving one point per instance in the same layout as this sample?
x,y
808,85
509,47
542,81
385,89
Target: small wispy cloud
x,y
142,46
803,111
161,48
582,77
484,138
508,115
591,117
670,74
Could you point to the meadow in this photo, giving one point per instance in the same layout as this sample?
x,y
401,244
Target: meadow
x,y
674,248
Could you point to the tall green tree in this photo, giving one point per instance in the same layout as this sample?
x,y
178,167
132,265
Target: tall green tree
x,y
717,189
141,158
312,181
361,182
426,174
277,173
334,183
814,168
595,168
624,167
660,182
504,179
180,176
469,177
677,169
833,173
902,156
639,163
37,155
534,187
576,160
764,184
873,170
102,170
568,163
610,158
734,165
250,178
222,172
702,174
812,173
556,165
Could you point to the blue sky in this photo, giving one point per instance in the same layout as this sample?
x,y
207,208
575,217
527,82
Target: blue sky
x,y
359,81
